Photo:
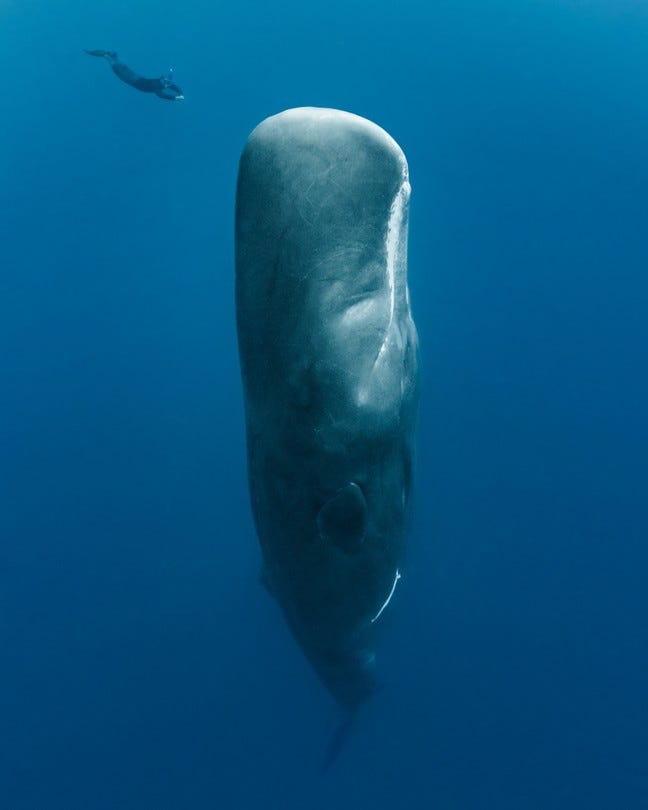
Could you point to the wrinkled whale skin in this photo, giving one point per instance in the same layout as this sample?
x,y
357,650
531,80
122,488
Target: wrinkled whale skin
x,y
329,364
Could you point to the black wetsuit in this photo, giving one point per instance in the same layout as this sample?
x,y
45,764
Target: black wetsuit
x,y
163,87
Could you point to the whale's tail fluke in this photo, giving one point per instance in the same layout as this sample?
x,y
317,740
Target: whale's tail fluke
x,y
338,740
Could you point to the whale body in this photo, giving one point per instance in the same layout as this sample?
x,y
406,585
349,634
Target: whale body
x,y
329,363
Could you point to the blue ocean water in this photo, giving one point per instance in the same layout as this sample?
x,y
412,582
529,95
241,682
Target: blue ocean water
x,y
141,665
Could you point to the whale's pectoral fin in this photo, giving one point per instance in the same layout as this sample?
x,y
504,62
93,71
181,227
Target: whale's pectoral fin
x,y
343,519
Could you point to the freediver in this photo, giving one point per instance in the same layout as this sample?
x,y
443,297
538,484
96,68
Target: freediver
x,y
163,87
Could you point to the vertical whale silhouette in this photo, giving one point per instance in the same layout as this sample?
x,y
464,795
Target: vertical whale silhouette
x,y
329,363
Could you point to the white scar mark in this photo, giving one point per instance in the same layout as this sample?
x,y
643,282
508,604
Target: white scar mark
x,y
388,600
392,244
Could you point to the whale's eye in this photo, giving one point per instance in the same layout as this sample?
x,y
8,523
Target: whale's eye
x,y
343,519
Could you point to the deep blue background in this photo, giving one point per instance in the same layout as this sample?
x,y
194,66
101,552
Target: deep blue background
x,y
141,665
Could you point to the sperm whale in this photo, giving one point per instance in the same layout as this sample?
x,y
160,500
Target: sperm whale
x,y
329,363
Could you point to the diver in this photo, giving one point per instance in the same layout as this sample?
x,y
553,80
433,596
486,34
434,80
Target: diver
x,y
163,87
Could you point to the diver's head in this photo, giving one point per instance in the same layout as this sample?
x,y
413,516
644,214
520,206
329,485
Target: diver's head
x,y
170,91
